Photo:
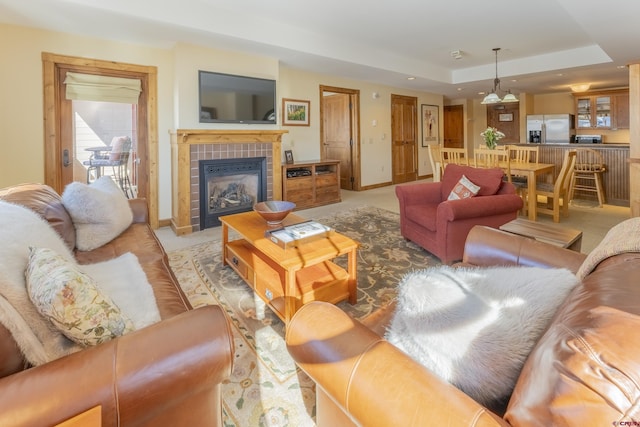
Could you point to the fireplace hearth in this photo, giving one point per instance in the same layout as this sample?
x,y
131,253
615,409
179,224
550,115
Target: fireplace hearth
x,y
229,186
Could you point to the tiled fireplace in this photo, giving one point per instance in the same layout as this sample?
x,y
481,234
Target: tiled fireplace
x,y
229,186
190,146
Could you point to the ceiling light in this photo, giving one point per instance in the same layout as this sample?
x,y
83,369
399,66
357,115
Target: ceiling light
x,y
411,78
509,97
456,54
493,97
582,87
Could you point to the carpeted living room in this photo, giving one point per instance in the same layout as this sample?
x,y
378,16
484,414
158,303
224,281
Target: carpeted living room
x,y
266,386
471,185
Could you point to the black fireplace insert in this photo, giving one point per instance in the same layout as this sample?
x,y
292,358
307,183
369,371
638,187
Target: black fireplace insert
x,y
229,186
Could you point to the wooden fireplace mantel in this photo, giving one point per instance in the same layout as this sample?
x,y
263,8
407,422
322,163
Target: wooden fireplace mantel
x,y
227,136
181,141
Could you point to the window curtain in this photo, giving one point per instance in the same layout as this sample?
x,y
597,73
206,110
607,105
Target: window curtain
x,y
89,87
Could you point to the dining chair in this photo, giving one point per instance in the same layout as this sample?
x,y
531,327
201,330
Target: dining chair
x,y
435,158
557,194
118,160
484,157
522,153
456,156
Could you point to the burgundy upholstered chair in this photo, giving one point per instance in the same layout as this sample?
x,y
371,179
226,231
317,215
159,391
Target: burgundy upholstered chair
x,y
441,226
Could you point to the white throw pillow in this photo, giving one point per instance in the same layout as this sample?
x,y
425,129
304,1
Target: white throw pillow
x,y
72,301
475,327
99,211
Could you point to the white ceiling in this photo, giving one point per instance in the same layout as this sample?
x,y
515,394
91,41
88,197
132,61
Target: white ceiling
x,y
546,45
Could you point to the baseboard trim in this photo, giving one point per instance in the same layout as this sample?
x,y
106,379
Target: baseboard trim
x,y
371,187
164,223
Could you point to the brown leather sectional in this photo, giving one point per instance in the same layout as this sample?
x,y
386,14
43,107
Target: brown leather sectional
x,y
585,370
166,374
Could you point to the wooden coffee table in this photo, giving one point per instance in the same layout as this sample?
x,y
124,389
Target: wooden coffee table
x,y
549,233
286,279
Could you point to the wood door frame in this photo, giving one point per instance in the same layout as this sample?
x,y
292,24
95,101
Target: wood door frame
x,y
354,99
147,119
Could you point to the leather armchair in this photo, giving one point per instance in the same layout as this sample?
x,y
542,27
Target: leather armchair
x,y
583,370
441,226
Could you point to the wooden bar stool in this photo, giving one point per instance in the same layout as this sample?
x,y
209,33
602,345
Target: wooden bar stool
x,y
587,174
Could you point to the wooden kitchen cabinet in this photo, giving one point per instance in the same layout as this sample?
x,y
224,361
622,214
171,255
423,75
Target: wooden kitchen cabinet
x,y
310,184
602,110
621,111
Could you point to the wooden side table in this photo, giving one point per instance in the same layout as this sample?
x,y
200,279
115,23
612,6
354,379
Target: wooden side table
x,y
549,233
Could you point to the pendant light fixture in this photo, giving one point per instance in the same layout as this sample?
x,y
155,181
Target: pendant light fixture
x,y
493,97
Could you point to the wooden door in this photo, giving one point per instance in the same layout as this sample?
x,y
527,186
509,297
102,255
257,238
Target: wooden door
x,y
505,118
404,138
339,116
337,135
453,116
59,159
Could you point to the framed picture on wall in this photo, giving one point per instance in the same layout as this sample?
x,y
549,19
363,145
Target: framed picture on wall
x,y
295,112
430,124
288,157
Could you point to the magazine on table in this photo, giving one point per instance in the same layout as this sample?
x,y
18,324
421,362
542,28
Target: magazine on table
x,y
303,232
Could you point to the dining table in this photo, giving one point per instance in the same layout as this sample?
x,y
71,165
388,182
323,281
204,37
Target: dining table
x,y
100,152
532,171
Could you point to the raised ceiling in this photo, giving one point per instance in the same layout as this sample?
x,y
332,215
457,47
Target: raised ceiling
x,y
546,45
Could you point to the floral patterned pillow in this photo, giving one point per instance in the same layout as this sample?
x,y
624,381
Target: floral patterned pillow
x,y
71,300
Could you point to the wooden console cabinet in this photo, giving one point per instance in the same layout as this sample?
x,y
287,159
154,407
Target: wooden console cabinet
x,y
310,184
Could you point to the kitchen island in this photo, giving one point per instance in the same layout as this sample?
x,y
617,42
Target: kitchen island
x,y
615,179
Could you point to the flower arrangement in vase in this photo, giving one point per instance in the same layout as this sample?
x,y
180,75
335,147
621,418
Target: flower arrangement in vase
x,y
491,137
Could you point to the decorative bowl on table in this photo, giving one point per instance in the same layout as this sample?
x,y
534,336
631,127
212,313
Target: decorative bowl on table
x,y
274,211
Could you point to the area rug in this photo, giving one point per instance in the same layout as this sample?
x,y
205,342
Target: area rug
x,y
266,388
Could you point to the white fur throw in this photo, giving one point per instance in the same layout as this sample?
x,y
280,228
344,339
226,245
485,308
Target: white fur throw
x,y
38,340
475,327
122,279
99,211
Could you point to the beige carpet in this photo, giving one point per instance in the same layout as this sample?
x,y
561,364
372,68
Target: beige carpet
x,y
266,388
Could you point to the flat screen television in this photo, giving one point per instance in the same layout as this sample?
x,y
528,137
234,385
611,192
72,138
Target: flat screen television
x,y
227,98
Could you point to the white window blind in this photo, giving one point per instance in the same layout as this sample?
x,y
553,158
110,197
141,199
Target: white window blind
x,y
89,87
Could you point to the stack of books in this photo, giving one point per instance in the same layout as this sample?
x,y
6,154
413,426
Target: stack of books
x,y
297,234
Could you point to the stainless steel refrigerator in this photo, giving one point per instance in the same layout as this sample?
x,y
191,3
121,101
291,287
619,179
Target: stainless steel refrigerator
x,y
550,129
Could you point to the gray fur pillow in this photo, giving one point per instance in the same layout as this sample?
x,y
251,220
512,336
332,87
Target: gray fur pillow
x,y
475,327
99,211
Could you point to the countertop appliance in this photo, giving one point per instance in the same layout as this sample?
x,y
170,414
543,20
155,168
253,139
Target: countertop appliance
x,y
589,139
551,129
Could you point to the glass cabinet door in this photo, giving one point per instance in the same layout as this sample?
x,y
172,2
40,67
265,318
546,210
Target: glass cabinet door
x,y
603,112
583,111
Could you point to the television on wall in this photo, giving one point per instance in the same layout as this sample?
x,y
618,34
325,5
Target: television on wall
x,y
227,98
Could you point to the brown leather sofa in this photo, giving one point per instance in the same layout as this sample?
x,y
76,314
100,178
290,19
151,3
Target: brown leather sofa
x,y
585,370
166,374
441,226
